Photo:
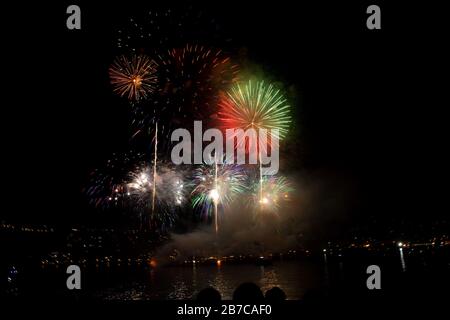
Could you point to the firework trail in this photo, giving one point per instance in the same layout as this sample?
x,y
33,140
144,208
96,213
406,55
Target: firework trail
x,y
133,77
155,160
215,197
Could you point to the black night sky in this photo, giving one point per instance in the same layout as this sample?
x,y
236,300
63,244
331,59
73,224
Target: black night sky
x,y
364,100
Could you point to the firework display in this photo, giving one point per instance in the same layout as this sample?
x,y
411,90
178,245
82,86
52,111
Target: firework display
x,y
106,184
186,155
193,76
275,192
134,77
166,28
190,79
170,80
161,206
216,186
190,75
257,105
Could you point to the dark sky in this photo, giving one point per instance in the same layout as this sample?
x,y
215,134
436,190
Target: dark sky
x,y
365,99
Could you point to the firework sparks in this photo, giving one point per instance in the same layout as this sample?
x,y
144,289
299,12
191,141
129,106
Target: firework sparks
x,y
133,78
155,160
162,204
105,188
274,192
193,77
189,85
179,192
257,105
216,185
165,27
140,186
127,182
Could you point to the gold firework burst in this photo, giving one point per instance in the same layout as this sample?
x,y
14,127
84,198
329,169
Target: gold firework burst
x,y
133,77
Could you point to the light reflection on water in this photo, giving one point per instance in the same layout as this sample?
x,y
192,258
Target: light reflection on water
x,y
402,260
185,282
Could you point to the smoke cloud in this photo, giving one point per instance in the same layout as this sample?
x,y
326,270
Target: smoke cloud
x,y
317,206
